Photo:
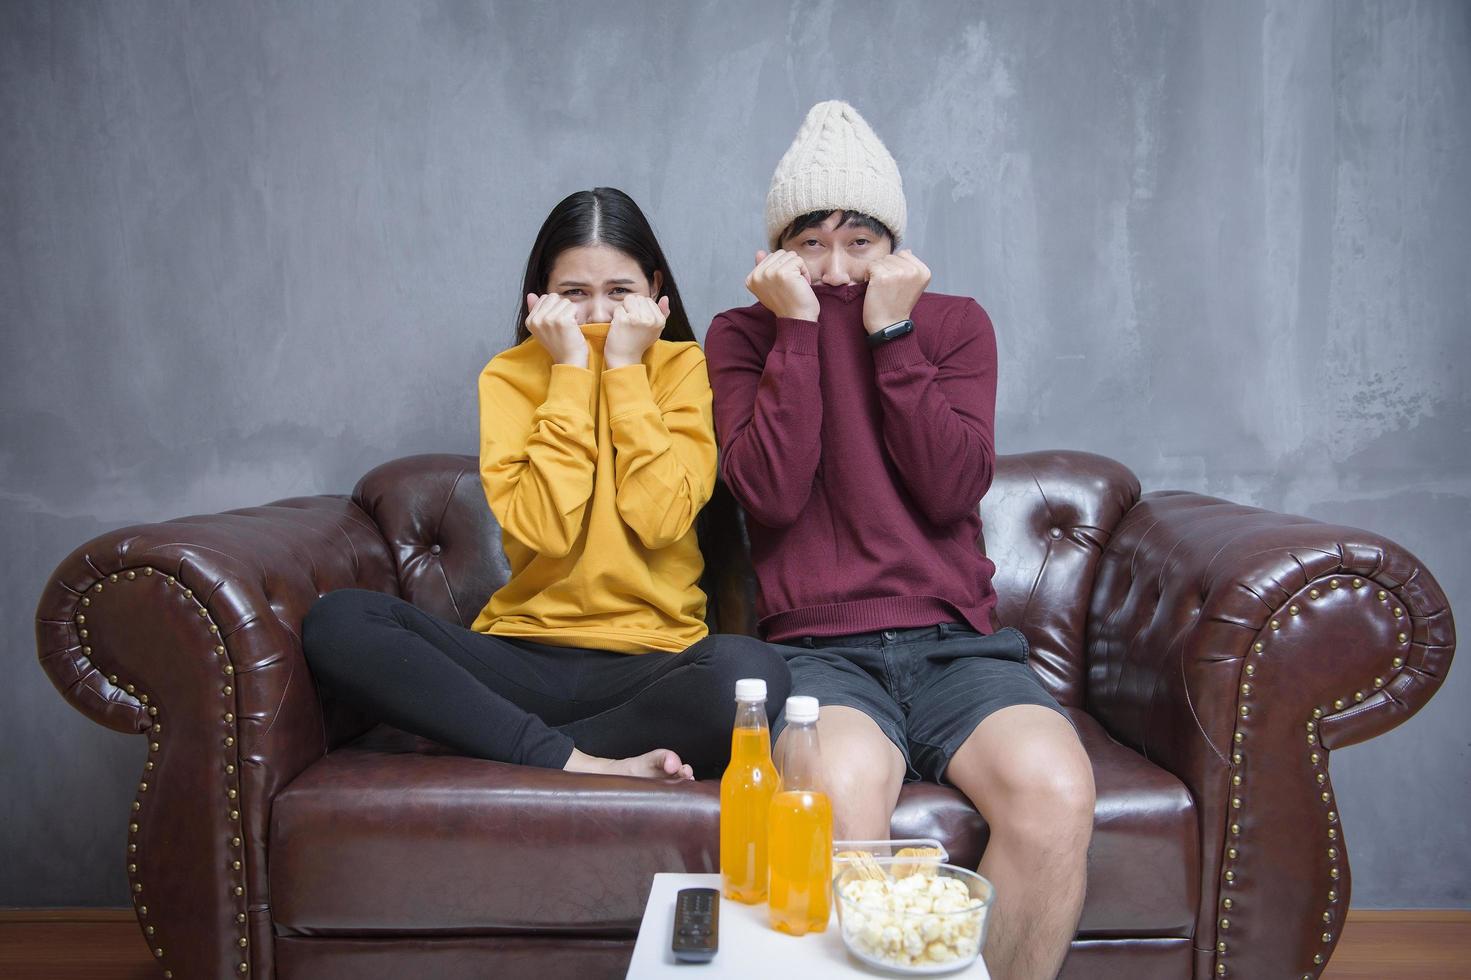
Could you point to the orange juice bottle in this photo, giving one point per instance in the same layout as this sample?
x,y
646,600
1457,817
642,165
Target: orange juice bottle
x,y
745,797
800,829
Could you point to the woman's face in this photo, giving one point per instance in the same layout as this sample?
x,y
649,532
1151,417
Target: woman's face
x,y
596,279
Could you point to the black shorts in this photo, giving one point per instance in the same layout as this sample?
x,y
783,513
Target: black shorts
x,y
926,688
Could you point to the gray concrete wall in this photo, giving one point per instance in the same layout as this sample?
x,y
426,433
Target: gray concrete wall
x,y
250,250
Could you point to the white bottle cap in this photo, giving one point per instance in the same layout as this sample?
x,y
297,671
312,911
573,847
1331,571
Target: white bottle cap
x,y
801,708
750,689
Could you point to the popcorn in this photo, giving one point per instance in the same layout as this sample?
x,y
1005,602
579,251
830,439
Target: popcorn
x,y
911,922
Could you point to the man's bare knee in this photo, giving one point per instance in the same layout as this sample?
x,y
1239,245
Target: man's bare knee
x,y
862,771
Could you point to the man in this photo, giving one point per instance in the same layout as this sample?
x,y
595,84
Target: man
x,y
855,413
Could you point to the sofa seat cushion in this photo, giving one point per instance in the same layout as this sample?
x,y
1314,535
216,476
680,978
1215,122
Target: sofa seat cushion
x,y
393,835
1143,863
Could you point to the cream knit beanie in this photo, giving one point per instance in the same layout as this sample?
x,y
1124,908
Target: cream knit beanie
x,y
835,163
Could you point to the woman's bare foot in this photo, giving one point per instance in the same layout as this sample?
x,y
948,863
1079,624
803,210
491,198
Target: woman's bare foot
x,y
658,764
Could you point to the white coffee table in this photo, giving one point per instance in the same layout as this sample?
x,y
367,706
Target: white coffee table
x,y
749,947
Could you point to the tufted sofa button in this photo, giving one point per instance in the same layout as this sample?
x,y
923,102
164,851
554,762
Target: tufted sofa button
x,y
1055,532
434,549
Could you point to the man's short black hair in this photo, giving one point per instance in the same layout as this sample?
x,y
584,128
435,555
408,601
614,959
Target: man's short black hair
x,y
857,218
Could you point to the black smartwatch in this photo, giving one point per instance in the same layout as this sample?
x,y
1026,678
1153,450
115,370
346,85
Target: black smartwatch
x,y
892,332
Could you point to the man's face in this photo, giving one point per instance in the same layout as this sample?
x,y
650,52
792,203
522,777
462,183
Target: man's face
x,y
838,254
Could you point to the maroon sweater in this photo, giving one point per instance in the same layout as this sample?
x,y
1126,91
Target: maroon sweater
x,y
860,470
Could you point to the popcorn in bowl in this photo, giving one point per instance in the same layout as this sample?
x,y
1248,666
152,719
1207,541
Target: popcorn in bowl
x,y
911,914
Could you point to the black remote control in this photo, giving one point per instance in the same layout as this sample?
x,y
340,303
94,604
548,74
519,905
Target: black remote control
x,y
696,924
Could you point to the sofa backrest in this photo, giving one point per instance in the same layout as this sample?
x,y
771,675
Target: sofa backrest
x,y
1046,521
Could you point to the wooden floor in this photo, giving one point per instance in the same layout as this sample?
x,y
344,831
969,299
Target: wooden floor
x,y
105,944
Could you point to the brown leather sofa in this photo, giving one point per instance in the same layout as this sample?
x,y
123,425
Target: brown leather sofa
x,y
1212,655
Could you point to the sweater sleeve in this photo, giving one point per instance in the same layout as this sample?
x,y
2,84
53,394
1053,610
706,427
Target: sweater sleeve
x,y
537,461
939,418
768,414
664,451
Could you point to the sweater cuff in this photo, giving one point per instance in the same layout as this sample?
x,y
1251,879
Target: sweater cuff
x,y
796,336
570,389
627,390
898,353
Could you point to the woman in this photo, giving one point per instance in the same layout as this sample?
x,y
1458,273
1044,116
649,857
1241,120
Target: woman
x,y
597,453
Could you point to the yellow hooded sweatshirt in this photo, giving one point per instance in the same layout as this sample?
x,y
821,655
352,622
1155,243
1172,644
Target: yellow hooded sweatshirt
x,y
596,478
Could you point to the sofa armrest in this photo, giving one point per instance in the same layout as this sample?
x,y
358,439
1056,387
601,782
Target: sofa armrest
x,y
189,633
1236,647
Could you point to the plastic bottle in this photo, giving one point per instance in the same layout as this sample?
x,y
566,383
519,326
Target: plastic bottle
x,y
745,797
801,829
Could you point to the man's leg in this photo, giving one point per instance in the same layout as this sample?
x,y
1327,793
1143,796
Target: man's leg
x,y
860,729
1026,772
862,772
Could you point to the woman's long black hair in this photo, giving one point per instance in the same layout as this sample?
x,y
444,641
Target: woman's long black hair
x,y
607,216
601,216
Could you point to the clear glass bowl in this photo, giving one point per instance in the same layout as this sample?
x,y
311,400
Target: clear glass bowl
x,y
922,917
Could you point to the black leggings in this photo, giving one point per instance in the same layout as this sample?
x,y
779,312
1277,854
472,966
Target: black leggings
x,y
529,703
